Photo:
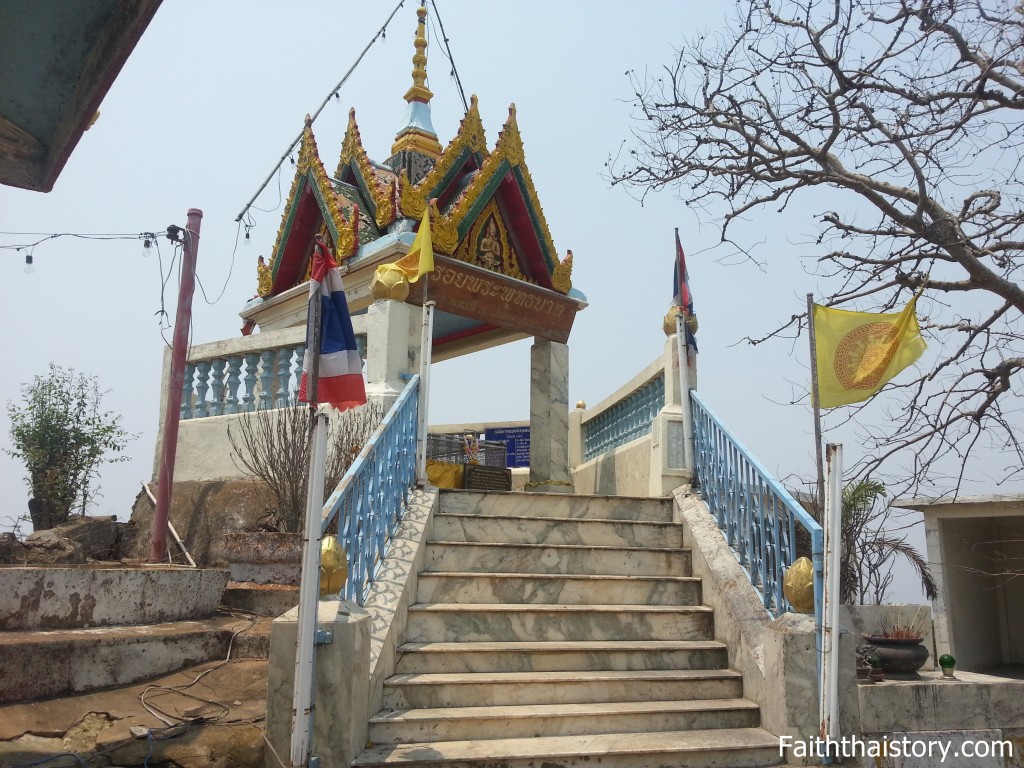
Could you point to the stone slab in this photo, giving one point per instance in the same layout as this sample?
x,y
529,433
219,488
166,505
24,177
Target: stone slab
x,y
69,598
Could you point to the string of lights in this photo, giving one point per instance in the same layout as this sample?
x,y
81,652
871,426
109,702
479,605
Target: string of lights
x,y
28,247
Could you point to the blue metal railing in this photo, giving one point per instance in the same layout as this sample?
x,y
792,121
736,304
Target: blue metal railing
x,y
758,517
626,420
371,497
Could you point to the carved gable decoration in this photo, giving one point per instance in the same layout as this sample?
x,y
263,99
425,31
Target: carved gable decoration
x,y
377,184
313,207
489,212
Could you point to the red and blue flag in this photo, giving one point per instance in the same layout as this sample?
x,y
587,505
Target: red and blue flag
x,y
681,296
340,369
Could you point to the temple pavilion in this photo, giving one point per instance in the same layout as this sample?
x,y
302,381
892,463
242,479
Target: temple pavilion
x,y
498,278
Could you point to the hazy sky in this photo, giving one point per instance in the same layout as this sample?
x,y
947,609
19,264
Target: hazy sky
x,y
215,92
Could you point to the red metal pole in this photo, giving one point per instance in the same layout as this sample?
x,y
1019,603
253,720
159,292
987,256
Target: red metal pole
x,y
182,323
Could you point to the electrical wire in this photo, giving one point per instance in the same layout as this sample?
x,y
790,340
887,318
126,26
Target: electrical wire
x,y
448,55
379,35
231,266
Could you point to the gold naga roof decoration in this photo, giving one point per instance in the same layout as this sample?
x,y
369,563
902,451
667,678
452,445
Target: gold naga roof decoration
x,y
378,184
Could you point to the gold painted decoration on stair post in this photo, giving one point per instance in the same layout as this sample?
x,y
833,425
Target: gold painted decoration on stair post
x,y
798,586
333,566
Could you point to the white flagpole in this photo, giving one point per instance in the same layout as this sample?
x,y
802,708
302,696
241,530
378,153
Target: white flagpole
x,y
829,672
426,350
684,392
309,583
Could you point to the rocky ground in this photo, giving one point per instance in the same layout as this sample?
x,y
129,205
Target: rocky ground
x,y
209,716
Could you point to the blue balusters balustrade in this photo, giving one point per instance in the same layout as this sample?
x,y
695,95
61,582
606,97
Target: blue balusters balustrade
x,y
370,499
202,408
217,386
758,517
626,420
249,397
187,392
234,373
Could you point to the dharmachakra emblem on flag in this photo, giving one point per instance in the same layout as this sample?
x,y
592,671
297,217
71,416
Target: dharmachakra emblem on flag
x,y
864,353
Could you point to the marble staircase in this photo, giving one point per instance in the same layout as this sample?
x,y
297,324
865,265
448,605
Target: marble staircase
x,y
557,630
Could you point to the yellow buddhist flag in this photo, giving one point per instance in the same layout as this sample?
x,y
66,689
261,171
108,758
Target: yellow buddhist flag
x,y
858,352
420,258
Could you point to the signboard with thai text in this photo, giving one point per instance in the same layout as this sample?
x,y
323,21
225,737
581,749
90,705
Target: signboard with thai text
x,y
517,443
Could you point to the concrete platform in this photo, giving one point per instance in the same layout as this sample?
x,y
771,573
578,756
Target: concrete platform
x,y
44,664
104,596
115,723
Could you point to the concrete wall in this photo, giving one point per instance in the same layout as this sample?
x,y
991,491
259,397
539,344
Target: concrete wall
x,y
985,605
74,598
624,471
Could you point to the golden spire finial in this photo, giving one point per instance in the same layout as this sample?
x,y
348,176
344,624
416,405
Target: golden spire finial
x,y
419,90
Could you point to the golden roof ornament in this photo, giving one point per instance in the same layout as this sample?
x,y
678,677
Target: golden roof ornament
x,y
418,134
419,90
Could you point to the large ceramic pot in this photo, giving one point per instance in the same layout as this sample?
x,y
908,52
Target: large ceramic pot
x,y
898,655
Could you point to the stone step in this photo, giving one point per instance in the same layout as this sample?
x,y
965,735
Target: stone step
x,y
449,587
260,599
556,558
718,748
556,530
484,622
410,691
561,656
42,664
535,720
556,505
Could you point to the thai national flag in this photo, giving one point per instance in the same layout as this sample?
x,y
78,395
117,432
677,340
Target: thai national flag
x,y
681,296
340,380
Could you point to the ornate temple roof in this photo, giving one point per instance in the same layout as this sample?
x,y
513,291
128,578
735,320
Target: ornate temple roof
x,y
485,208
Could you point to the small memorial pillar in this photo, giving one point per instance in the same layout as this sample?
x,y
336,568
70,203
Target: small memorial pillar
x,y
549,417
668,434
392,348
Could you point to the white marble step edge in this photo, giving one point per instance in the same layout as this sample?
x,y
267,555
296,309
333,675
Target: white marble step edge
x,y
736,747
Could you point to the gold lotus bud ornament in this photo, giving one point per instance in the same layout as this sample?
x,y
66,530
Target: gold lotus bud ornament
x,y
333,566
798,586
389,284
669,324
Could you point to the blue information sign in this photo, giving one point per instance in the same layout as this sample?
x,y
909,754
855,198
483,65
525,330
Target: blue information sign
x,y
517,443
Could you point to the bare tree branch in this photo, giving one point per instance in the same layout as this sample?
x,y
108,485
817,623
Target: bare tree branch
x,y
910,112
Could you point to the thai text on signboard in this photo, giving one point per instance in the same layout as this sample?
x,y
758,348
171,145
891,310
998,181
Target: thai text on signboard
x,y
517,443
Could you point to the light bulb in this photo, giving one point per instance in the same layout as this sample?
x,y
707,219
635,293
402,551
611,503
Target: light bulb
x,y
29,266
248,240
147,247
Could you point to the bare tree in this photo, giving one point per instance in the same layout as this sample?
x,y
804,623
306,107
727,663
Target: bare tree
x,y
274,445
904,117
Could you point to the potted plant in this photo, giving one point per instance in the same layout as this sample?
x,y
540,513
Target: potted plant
x,y
898,644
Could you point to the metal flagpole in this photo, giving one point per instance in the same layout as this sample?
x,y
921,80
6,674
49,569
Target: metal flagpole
x,y
829,665
426,350
684,393
820,494
309,584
